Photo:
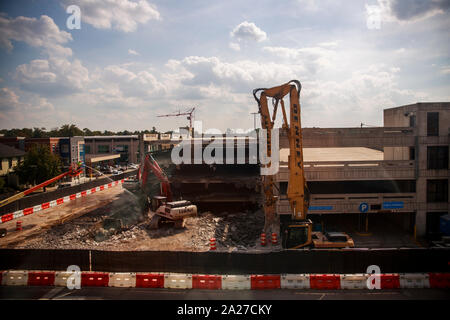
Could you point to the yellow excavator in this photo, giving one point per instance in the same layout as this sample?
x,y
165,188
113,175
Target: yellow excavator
x,y
298,232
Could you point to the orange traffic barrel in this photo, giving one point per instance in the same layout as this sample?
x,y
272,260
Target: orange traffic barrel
x,y
212,244
19,226
274,238
263,239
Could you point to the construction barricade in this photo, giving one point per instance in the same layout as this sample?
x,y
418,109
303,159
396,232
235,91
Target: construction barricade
x,y
265,281
236,282
206,282
178,281
150,280
15,278
354,281
41,278
45,205
439,280
65,278
94,279
122,280
295,281
389,281
414,280
325,281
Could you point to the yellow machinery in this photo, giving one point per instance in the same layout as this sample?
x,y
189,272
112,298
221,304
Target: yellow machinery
x,y
298,233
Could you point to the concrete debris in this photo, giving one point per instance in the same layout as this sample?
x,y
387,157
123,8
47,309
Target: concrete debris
x,y
106,229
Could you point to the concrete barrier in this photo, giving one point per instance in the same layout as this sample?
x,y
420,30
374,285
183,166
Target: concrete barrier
x,y
236,282
178,281
295,281
354,281
122,279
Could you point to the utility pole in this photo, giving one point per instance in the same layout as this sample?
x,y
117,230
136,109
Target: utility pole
x,y
254,118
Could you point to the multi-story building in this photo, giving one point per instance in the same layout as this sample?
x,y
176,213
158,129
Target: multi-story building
x,y
397,173
125,146
72,150
9,158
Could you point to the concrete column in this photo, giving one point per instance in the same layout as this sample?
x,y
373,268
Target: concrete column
x,y
421,223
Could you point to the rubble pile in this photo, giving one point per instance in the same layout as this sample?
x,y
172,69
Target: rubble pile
x,y
99,230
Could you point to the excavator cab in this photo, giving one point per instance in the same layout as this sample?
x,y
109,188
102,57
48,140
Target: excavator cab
x,y
156,202
297,234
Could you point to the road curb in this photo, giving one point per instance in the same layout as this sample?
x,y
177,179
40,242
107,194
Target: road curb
x,y
224,282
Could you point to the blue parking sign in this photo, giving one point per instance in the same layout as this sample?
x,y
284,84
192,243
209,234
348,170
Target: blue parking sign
x,y
363,207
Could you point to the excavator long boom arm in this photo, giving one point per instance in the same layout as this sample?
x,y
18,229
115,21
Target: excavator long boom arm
x,y
72,172
151,164
297,191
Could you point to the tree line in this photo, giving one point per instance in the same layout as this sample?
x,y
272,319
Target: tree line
x,y
67,130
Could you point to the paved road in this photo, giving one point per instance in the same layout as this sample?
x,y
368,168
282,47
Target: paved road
x,y
94,293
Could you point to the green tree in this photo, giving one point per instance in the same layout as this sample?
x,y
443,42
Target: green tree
x,y
70,131
38,166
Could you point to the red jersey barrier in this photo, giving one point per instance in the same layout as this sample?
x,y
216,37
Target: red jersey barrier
x,y
390,281
325,281
265,281
206,282
45,205
41,278
7,217
94,279
439,280
27,211
149,280
60,201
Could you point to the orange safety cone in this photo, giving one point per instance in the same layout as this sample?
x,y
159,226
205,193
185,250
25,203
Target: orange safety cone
x,y
212,244
19,226
263,239
274,238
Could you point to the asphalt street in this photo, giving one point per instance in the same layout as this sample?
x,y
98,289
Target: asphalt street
x,y
109,293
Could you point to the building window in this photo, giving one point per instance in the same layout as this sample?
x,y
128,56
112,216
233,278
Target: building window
x,y
121,148
87,149
412,153
412,121
437,190
103,148
64,148
432,123
437,157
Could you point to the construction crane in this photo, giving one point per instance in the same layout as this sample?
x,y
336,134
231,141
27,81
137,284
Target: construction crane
x,y
188,112
298,232
161,209
74,171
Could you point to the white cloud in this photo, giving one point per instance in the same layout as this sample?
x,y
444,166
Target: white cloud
x,y
53,76
123,15
133,52
248,31
312,59
31,109
235,46
413,10
445,70
40,33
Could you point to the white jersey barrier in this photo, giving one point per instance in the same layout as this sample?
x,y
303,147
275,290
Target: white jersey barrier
x,y
76,280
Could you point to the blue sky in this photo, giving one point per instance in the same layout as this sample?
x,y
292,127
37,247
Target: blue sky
x,y
134,60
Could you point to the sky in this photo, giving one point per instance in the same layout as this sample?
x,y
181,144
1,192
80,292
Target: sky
x,y
127,62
